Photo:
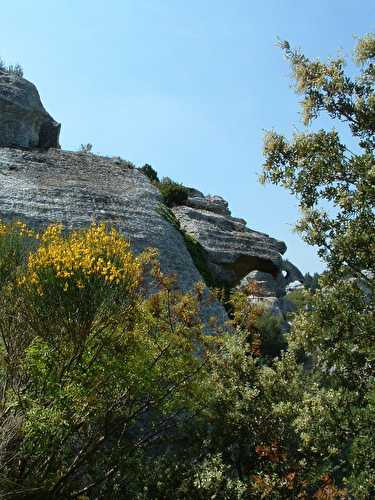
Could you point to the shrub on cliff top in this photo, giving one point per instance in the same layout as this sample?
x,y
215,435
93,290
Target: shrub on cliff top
x,y
173,193
149,172
15,69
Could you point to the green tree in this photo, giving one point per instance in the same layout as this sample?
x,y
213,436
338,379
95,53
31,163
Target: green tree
x,y
335,185
172,192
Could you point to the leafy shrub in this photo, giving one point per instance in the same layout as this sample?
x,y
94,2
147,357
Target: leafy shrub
x,y
103,393
300,300
271,335
173,193
15,238
93,375
311,282
150,172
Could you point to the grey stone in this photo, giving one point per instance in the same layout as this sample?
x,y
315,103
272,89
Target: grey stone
x,y
289,274
270,291
76,189
23,120
215,204
269,304
265,284
232,250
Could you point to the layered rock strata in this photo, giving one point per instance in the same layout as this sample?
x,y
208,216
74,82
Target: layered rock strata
x,y
237,255
232,250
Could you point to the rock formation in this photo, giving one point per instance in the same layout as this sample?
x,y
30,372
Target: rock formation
x,y
41,186
238,256
270,291
232,249
23,120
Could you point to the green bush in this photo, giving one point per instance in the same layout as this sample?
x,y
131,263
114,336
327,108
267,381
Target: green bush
x,y
311,282
173,193
103,394
150,172
271,334
93,375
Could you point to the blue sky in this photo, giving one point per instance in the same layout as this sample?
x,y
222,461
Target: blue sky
x,y
188,87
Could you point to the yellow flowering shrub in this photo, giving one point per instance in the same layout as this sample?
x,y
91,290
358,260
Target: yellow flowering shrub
x,y
82,277
77,258
17,227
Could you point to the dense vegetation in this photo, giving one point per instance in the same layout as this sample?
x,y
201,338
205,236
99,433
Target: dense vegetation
x,y
107,391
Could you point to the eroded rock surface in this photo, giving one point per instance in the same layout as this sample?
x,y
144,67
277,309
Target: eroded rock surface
x,y
270,291
215,204
237,255
23,120
77,189
232,249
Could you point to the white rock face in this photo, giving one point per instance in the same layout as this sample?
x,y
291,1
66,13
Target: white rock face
x,y
77,189
215,204
40,186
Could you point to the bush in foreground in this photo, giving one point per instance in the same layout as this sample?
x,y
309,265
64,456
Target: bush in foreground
x,y
108,393
92,375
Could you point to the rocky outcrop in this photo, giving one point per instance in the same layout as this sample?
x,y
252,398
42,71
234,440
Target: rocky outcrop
x,y
77,189
270,291
261,284
41,186
215,204
232,250
23,120
289,274
268,285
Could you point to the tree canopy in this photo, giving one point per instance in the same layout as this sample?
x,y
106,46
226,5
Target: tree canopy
x,y
335,185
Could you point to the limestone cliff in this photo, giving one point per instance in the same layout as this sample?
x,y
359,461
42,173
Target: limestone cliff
x,y
40,186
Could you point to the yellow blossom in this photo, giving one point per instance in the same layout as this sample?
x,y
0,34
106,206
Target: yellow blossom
x,y
82,255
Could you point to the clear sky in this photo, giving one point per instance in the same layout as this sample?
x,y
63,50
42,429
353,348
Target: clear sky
x,y
187,86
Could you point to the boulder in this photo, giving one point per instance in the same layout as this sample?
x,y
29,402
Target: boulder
x,y
294,286
215,204
232,250
260,284
270,291
24,122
